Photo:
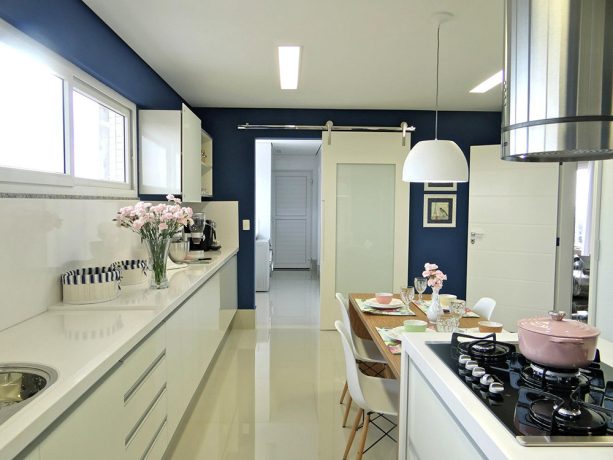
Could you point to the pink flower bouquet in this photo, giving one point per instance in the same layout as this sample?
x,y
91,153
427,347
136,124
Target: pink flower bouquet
x,y
161,221
434,276
156,225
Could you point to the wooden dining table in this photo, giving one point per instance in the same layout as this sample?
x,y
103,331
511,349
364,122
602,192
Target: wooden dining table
x,y
365,326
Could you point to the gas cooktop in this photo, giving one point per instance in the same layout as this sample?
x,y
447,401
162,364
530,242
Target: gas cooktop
x,y
540,405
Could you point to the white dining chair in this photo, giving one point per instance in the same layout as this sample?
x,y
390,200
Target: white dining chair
x,y
364,350
373,395
485,307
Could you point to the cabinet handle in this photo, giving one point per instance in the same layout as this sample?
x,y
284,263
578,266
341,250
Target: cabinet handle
x,y
142,418
143,376
155,438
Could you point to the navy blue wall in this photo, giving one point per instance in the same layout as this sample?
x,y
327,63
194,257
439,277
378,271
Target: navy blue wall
x,y
234,176
72,30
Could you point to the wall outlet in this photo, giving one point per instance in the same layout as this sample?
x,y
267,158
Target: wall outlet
x,y
246,224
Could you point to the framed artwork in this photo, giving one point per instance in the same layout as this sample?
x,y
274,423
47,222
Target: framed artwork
x,y
439,210
440,186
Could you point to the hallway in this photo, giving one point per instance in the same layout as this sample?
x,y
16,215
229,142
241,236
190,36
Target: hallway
x,y
274,391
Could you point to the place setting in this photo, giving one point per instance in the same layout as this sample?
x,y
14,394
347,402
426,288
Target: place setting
x,y
384,303
392,337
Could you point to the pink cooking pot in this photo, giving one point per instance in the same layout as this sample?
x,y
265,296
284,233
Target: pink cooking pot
x,y
557,342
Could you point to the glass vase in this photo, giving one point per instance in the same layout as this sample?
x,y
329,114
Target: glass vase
x,y
434,310
157,250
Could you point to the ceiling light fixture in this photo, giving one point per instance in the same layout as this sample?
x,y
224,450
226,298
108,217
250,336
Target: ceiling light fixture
x,y
488,84
436,160
289,66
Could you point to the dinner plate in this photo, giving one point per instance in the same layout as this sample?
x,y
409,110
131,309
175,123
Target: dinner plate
x,y
394,334
395,303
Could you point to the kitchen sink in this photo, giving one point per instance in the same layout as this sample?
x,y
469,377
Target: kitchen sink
x,y
20,383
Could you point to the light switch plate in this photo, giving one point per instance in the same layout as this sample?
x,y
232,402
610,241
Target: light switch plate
x,y
246,224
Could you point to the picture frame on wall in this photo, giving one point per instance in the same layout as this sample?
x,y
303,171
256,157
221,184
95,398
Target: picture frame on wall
x,y
439,210
441,186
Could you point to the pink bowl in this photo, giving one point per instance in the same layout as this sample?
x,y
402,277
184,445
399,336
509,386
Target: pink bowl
x,y
384,297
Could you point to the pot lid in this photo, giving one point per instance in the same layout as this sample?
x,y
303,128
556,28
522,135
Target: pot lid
x,y
556,325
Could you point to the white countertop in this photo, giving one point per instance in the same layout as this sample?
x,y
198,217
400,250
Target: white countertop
x,y
82,343
487,431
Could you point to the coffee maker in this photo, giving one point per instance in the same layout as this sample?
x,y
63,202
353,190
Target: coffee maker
x,y
202,235
210,236
194,233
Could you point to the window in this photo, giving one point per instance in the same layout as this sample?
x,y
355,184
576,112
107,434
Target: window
x,y
99,140
58,125
31,114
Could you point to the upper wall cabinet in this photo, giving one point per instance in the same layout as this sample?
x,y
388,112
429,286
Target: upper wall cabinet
x,y
170,153
206,167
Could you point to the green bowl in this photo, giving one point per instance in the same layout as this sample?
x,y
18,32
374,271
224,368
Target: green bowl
x,y
415,325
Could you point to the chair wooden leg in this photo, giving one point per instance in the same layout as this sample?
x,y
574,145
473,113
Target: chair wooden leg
x,y
347,411
356,422
363,440
344,393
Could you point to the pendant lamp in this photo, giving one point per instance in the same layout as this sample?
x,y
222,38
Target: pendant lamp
x,y
436,160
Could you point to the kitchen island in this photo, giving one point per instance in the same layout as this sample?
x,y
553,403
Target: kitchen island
x,y
440,417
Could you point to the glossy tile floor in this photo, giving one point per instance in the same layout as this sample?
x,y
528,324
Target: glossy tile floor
x,y
274,391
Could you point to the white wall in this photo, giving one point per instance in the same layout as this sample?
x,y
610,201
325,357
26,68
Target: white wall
x,y
604,285
305,163
42,238
263,161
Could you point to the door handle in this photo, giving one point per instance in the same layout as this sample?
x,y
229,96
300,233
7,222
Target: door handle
x,y
474,236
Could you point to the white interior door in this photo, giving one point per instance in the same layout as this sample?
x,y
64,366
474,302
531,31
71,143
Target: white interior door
x,y
601,265
365,219
512,225
291,219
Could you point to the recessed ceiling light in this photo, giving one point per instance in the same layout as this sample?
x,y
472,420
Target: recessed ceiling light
x,y
289,66
488,84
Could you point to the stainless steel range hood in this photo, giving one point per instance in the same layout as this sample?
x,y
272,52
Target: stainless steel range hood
x,y
558,80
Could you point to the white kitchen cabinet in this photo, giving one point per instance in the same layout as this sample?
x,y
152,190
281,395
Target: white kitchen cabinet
x,y
228,293
193,338
133,412
123,416
90,429
206,166
430,421
170,151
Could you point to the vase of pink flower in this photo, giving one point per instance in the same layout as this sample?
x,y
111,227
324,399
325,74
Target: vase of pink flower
x,y
156,225
435,279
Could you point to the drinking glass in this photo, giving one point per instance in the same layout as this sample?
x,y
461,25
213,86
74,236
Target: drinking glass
x,y
457,308
407,294
420,286
447,323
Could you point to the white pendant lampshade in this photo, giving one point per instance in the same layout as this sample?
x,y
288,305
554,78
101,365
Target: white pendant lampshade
x,y
435,161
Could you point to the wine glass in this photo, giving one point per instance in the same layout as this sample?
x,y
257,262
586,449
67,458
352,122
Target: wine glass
x,y
420,286
407,294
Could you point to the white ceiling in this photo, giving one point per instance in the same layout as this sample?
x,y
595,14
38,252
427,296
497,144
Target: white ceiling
x,y
357,54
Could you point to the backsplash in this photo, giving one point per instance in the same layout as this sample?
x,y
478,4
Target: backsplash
x,y
43,238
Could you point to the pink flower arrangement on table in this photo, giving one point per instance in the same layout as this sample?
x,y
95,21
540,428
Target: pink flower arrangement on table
x,y
157,222
434,275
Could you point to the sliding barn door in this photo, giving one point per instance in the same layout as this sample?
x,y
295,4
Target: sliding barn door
x,y
365,219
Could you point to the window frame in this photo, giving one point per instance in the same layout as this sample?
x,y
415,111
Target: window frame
x,y
26,181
